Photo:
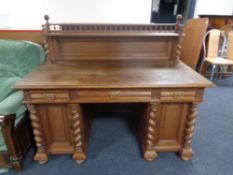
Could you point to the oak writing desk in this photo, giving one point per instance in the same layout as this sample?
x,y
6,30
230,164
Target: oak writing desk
x,y
90,63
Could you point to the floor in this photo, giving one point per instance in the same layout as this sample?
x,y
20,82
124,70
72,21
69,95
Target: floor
x,y
113,147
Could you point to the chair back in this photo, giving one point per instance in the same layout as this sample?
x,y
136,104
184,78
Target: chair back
x,y
213,43
214,36
230,46
226,29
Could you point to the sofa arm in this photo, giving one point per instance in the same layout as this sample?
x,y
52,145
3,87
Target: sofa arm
x,y
8,131
6,85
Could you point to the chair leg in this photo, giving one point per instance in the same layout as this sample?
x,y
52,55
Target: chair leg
x,y
231,69
222,68
232,78
201,67
17,165
12,142
212,72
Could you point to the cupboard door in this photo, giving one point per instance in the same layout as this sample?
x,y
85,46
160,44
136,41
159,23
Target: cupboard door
x,y
56,127
172,124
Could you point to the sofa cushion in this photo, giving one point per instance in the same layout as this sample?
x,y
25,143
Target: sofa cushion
x,y
12,104
6,86
8,71
4,170
23,56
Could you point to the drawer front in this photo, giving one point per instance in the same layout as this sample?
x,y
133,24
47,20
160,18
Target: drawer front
x,y
178,94
49,96
114,95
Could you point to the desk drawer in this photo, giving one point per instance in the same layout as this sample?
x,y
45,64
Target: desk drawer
x,y
178,94
115,95
49,96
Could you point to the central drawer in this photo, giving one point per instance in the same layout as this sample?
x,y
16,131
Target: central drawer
x,y
113,95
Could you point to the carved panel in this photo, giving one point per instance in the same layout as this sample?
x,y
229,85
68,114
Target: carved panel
x,y
76,48
56,123
172,123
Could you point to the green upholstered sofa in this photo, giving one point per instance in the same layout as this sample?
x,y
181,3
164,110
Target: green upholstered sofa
x,y
17,58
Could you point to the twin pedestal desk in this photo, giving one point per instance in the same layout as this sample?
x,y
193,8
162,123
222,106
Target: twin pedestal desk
x,y
104,63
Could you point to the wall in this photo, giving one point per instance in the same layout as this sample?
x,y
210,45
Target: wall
x,y
214,7
28,14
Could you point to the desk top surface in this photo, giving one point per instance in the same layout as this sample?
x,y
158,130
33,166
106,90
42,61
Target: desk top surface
x,y
113,74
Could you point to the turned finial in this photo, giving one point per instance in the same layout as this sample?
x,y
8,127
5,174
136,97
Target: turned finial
x,y
178,22
46,25
179,17
46,17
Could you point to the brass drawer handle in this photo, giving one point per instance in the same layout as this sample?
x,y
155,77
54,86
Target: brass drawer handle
x,y
50,96
177,94
114,94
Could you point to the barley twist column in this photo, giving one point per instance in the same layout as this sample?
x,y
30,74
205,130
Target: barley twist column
x,y
150,153
187,152
46,28
41,155
46,48
76,111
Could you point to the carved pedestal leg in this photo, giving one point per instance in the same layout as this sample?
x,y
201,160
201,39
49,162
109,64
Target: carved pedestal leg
x,y
77,119
41,155
187,152
149,149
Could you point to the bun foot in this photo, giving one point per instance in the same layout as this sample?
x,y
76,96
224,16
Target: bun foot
x,y
42,162
79,161
150,155
41,157
186,154
79,157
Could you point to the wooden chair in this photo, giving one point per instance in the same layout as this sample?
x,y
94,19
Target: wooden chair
x,y
230,48
214,54
226,29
